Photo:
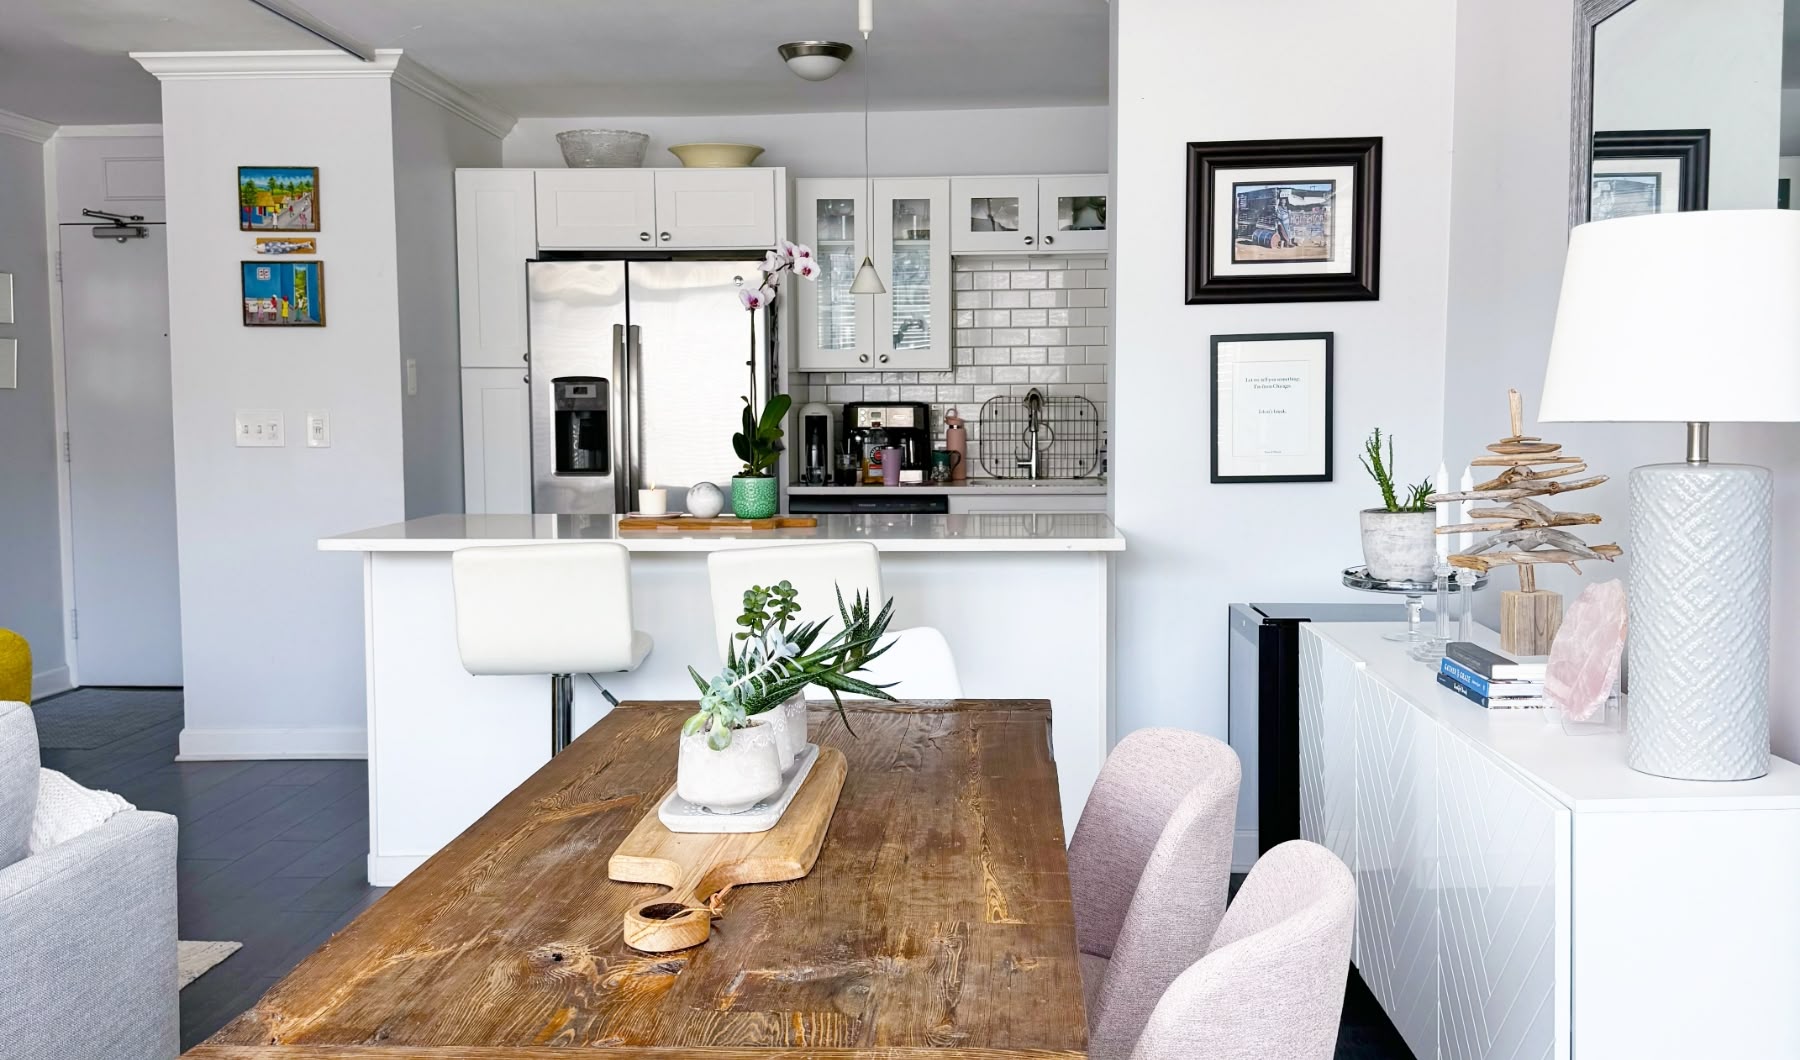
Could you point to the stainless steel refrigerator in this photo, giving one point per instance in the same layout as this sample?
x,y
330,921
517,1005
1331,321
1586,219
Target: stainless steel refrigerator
x,y
638,374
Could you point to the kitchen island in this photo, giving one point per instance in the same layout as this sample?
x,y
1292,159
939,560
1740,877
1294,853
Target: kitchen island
x,y
1025,601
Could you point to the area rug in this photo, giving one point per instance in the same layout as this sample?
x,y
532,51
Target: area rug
x,y
94,717
195,959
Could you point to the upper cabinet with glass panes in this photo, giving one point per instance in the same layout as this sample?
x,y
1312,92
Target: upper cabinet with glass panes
x,y
1043,215
834,329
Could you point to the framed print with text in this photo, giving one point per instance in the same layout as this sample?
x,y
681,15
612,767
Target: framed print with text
x,y
1271,407
1284,220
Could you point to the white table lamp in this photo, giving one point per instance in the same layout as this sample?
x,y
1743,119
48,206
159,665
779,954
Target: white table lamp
x,y
1689,318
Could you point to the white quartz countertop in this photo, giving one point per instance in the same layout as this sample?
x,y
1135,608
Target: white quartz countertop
x,y
975,487
1058,532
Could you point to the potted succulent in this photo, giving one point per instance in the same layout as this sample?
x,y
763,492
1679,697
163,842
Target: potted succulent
x,y
751,725
1398,539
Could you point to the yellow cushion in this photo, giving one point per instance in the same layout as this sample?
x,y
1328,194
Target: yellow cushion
x,y
15,668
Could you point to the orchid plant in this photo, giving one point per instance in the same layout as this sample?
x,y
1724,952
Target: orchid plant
x,y
771,658
783,257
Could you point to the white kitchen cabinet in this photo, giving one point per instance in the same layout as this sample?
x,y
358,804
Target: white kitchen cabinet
x,y
990,214
716,208
914,321
835,329
496,232
1029,502
596,209
496,409
1072,213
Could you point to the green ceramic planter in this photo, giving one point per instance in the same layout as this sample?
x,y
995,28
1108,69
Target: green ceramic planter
x,y
754,498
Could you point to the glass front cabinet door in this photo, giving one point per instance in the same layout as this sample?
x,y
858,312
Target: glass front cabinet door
x,y
913,322
834,328
993,214
1072,213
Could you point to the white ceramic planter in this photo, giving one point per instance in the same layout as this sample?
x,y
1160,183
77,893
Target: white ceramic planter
x,y
1399,546
737,778
792,725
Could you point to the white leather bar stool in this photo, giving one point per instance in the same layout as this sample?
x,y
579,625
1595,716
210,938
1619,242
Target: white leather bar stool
x,y
919,665
560,609
817,572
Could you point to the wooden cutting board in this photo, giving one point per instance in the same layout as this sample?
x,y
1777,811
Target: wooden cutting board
x,y
719,522
700,868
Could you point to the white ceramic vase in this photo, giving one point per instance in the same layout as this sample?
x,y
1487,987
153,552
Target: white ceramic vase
x,y
789,722
735,779
1399,546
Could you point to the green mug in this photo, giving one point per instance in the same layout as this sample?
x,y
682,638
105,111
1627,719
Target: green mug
x,y
943,463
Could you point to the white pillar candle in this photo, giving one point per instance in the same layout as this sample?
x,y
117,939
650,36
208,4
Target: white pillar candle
x,y
653,501
1467,537
1443,511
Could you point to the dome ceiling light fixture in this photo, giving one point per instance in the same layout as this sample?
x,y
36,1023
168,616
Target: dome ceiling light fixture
x,y
815,60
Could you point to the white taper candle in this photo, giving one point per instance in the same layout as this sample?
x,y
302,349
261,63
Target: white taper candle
x,y
1443,512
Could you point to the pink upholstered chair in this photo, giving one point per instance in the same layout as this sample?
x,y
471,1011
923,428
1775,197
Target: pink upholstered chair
x,y
1272,983
1150,866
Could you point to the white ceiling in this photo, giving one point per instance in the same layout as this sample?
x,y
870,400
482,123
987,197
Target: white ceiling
x,y
64,61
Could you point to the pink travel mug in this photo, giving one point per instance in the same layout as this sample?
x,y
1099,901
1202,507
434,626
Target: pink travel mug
x,y
890,465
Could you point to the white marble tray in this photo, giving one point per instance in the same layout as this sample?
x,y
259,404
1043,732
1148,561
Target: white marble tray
x,y
679,815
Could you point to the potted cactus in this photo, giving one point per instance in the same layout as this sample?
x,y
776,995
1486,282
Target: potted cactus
x,y
1397,538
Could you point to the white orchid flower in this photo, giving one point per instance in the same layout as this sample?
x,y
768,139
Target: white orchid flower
x,y
808,268
753,298
796,251
774,261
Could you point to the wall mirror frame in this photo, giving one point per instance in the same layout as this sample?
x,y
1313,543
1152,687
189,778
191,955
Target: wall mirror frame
x,y
1589,14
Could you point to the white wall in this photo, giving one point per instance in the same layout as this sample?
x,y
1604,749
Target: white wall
x,y
901,143
31,600
271,628
429,144
1184,71
1676,64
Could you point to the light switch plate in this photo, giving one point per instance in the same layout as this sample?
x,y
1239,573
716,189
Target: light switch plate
x,y
9,364
6,298
260,428
412,377
318,429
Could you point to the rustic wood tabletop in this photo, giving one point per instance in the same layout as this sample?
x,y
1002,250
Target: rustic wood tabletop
x,y
936,923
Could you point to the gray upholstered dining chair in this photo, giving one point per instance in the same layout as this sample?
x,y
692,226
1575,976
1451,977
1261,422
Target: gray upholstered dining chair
x,y
1272,983
1150,867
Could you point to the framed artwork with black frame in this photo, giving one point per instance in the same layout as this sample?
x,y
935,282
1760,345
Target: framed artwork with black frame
x,y
1271,407
1284,220
1660,171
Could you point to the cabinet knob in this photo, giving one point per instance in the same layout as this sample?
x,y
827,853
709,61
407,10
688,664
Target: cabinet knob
x,y
883,358
1049,240
664,236
1028,240
527,357
644,236
864,358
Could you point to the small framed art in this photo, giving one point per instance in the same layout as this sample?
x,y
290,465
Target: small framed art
x,y
1284,220
1639,173
1271,407
278,198
284,294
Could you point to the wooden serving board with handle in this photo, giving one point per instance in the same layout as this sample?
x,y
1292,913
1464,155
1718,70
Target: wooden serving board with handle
x,y
718,522
699,868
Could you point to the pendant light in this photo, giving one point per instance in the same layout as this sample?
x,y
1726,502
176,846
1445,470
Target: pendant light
x,y
867,281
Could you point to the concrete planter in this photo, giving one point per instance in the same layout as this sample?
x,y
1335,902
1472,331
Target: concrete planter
x,y
733,780
1399,546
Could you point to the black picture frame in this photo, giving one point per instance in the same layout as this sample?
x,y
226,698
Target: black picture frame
x,y
1207,163
1327,338
1691,148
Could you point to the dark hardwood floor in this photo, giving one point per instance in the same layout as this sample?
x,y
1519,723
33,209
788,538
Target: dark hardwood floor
x,y
272,855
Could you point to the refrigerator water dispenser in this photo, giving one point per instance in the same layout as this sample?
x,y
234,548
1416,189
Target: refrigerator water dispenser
x,y
582,431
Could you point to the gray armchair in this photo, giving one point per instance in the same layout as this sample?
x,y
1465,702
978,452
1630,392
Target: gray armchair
x,y
87,927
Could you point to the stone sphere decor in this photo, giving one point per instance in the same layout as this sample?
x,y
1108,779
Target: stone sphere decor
x,y
705,500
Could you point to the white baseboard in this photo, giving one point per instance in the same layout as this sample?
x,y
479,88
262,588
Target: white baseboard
x,y
1243,849
50,682
210,745
385,870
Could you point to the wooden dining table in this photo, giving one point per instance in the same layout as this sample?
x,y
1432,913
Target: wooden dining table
x,y
935,925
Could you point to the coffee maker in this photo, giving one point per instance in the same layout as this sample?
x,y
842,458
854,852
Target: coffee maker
x,y
907,424
818,431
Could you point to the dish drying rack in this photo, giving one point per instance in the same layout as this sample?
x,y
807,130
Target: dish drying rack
x,y
1062,432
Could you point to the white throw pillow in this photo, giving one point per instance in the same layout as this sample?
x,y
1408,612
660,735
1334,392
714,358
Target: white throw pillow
x,y
65,809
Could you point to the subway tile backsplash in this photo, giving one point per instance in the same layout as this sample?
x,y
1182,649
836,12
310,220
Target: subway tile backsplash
x,y
1020,322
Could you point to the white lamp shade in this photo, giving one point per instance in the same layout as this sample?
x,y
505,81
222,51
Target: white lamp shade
x,y
1679,317
867,280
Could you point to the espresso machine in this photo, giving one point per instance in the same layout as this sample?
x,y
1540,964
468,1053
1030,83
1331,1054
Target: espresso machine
x,y
906,424
818,434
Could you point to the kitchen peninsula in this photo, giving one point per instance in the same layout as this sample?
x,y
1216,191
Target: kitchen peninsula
x,y
1024,600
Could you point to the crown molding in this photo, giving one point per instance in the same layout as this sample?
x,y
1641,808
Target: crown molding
x,y
106,132
389,64
466,105
25,128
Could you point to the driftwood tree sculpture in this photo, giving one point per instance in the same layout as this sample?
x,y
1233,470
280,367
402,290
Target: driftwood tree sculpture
x,y
1523,531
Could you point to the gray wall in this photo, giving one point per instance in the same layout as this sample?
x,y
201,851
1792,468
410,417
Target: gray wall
x,y
30,580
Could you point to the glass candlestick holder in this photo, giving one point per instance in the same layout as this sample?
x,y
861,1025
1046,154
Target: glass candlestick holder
x,y
1432,648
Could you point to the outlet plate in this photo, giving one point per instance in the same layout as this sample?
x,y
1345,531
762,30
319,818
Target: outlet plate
x,y
318,429
9,364
260,429
6,298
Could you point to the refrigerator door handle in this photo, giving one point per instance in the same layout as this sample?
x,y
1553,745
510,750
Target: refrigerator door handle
x,y
620,411
628,477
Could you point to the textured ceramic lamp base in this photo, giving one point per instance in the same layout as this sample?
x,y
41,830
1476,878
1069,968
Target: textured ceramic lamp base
x,y
1699,632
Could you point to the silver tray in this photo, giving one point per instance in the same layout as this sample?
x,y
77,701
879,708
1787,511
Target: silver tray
x,y
1357,577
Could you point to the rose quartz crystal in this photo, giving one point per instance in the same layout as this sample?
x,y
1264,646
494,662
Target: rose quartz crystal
x,y
1584,658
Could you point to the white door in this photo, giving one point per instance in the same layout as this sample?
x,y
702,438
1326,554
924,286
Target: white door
x,y
912,250
496,233
1072,213
496,412
596,209
121,458
989,214
710,208
834,326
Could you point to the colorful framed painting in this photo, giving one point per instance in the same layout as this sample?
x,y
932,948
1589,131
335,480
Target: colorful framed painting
x,y
278,198
281,294
1284,220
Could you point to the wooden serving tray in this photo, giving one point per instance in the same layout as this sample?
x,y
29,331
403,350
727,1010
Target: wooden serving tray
x,y
700,868
718,522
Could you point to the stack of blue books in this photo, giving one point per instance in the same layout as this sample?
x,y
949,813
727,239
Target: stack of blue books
x,y
1489,679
